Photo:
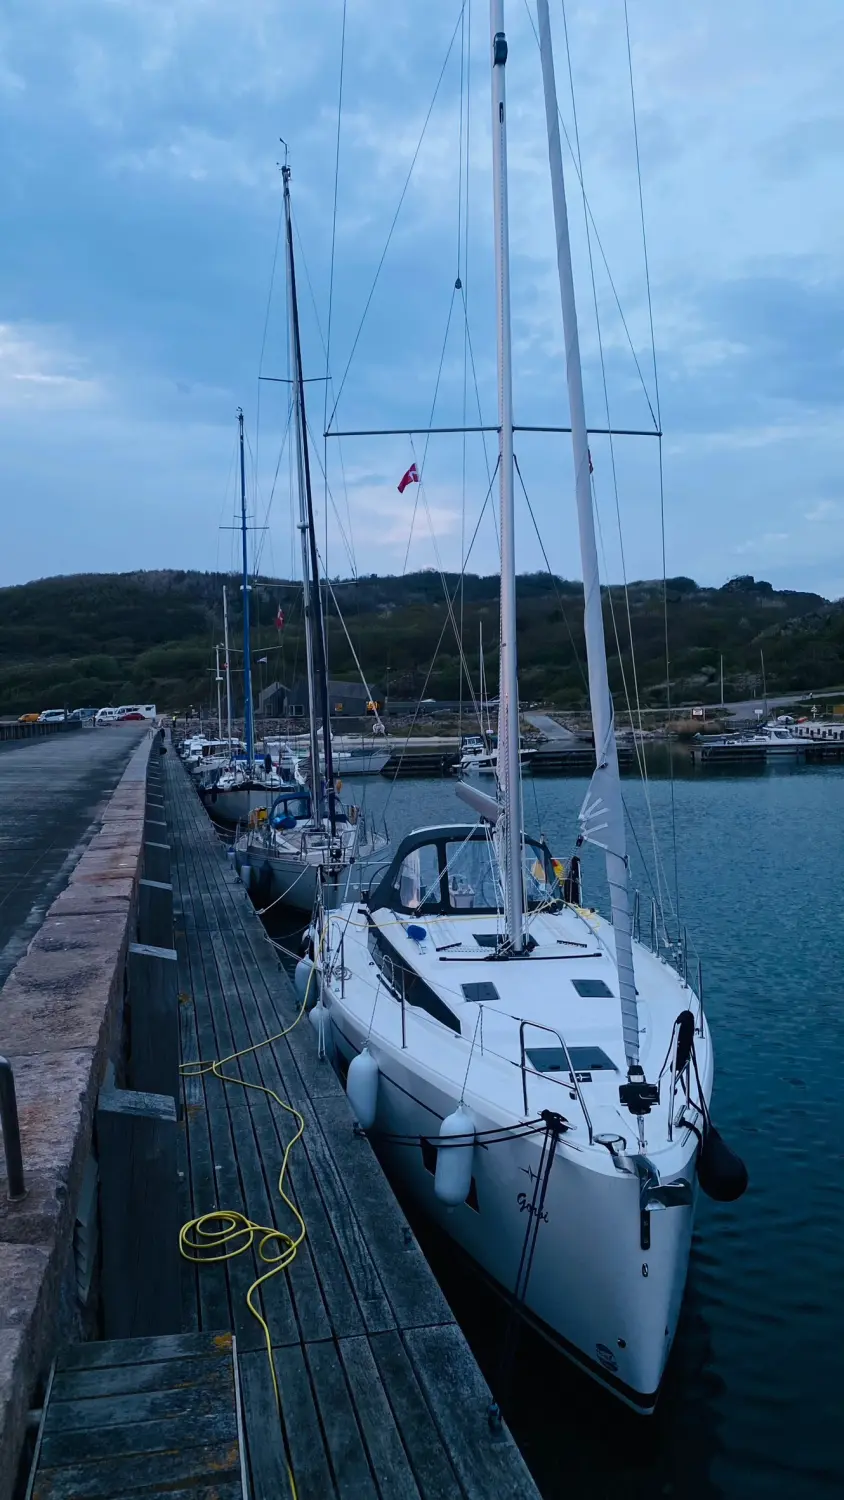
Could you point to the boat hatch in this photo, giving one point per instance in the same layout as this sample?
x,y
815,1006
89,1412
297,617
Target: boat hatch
x,y
592,989
480,993
583,1060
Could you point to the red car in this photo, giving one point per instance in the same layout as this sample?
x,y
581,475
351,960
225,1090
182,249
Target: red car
x,y
127,718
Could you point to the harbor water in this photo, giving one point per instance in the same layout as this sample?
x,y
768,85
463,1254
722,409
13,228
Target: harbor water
x,y
752,1398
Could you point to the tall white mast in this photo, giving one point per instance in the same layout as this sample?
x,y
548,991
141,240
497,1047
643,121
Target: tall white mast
x,y
602,814
228,669
508,713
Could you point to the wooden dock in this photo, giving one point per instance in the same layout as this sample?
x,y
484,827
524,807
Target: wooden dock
x,y
380,1395
139,1418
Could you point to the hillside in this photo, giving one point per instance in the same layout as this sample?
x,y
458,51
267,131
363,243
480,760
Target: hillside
x,y
112,638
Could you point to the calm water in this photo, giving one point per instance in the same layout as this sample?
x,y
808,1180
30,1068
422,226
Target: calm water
x,y
752,1402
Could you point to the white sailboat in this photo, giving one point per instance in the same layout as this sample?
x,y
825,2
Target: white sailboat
x,y
307,841
537,1079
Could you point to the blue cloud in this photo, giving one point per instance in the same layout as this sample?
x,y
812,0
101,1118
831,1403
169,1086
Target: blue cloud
x,y
137,228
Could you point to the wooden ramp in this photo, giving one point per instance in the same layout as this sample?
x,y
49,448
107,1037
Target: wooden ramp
x,y
381,1398
142,1417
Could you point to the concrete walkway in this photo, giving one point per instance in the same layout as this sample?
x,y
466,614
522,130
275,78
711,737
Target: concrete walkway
x,y
546,725
50,793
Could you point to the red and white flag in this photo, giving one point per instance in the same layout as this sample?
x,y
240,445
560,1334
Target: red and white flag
x,y
411,477
279,619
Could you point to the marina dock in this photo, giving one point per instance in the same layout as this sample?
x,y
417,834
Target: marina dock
x,y
143,1370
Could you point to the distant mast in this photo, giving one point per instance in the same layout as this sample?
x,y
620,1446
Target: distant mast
x,y
228,668
313,598
248,725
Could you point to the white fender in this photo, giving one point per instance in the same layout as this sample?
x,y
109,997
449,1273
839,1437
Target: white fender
x,y
318,1017
245,873
362,1088
453,1177
302,981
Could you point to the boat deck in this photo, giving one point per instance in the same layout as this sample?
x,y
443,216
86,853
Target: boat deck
x,y
380,1395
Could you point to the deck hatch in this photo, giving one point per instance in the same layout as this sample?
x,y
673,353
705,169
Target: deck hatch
x,y
480,993
583,1060
592,989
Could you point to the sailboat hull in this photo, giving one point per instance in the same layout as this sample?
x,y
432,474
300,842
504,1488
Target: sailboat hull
x,y
594,1292
233,805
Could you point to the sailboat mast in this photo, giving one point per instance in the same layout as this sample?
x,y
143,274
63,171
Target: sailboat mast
x,y
248,724
608,785
508,713
228,668
218,679
319,678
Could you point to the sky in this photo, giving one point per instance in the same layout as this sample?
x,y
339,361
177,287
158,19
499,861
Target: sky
x,y
141,296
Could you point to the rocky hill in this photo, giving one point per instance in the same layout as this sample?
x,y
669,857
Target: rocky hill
x,y
112,638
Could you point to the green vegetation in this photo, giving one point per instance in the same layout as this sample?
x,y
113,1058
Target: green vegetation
x,y
93,639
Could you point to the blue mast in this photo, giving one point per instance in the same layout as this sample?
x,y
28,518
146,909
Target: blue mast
x,y
248,722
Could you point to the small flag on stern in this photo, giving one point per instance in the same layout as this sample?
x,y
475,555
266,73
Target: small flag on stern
x,y
411,477
279,619
260,659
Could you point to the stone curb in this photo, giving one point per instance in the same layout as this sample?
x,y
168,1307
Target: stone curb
x,y
60,1022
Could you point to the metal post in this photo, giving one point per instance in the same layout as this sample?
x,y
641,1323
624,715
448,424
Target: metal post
x,y
636,915
654,926
11,1132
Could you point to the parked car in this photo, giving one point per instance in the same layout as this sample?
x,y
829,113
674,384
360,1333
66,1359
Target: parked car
x,y
136,711
83,714
126,714
52,716
29,718
105,716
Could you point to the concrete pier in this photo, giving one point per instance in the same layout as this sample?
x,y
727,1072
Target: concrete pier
x,y
71,859
51,790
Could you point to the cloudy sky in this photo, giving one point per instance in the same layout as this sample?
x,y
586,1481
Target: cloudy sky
x,y
138,221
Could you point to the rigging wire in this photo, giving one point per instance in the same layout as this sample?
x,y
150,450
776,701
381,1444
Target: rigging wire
x,y
599,243
421,466
395,218
646,260
613,463
331,281
445,624
264,335
328,383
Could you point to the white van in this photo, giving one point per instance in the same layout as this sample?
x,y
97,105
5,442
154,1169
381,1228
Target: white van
x,y
105,716
136,710
52,716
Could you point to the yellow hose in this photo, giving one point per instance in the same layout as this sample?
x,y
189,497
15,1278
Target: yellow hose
x,y
224,1233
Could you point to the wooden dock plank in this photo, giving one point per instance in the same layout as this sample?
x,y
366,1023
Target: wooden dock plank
x,y
267,1457
106,1354
119,1440
150,1375
432,1469
116,1411
387,1456
120,1477
344,1441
